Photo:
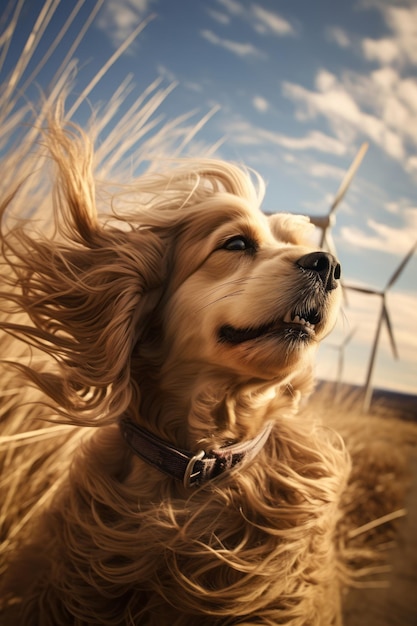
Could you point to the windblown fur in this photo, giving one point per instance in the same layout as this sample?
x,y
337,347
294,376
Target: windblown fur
x,y
128,313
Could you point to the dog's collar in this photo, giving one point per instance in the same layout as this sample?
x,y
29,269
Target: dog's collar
x,y
192,469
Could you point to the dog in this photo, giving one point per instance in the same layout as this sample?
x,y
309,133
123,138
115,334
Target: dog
x,y
179,331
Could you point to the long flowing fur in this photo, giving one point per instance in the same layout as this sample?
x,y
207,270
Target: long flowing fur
x,y
92,534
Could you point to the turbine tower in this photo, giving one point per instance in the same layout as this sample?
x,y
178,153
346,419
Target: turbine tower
x,y
340,347
384,318
326,222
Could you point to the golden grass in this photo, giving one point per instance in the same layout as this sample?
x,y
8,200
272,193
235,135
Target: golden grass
x,y
381,446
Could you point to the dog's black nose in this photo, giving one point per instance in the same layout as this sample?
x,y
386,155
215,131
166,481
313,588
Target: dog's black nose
x,y
326,266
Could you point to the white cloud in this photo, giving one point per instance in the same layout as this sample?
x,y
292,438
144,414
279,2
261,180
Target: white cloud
x,y
360,105
219,17
269,22
401,46
385,78
410,218
384,51
394,206
243,133
411,165
403,207
118,18
338,36
325,170
236,47
407,91
234,7
331,99
263,21
260,104
381,105
325,80
314,140
395,113
403,22
383,237
289,158
390,98
193,86
166,73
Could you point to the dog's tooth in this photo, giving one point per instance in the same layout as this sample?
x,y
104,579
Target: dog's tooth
x,y
288,318
296,319
303,321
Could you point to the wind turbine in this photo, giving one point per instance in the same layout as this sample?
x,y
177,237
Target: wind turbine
x,y
383,318
326,222
340,347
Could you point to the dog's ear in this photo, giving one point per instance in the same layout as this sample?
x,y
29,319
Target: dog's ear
x,y
87,293
88,308
296,229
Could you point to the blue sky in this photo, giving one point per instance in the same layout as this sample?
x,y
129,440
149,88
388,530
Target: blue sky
x,y
297,88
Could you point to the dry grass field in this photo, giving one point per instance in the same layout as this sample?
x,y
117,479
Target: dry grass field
x,y
380,505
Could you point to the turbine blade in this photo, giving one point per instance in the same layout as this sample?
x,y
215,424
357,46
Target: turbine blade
x,y
330,243
390,331
323,238
401,266
373,292
344,293
349,336
340,366
348,177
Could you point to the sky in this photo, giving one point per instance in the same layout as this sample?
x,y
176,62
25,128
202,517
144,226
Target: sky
x,y
292,89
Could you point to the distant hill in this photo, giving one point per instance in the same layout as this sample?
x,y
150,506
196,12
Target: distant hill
x,y
384,401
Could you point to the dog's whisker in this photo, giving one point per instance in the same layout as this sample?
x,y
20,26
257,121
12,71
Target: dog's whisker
x,y
223,297
237,281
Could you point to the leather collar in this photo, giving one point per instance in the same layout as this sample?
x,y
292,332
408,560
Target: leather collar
x,y
191,469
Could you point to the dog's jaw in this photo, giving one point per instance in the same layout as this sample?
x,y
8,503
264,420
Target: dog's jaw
x,y
299,326
296,321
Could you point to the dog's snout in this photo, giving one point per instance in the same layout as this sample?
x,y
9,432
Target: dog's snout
x,y
326,266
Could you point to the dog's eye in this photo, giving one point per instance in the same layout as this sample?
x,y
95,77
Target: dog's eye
x,y
238,244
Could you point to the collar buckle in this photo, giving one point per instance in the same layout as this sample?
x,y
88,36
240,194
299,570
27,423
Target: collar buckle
x,y
189,473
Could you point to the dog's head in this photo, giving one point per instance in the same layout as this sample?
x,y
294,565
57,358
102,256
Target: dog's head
x,y
247,296
193,298
244,303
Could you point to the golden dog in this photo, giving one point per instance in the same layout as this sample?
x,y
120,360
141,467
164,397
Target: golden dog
x,y
182,326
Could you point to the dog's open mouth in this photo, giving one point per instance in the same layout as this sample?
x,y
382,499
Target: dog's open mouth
x,y
298,323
